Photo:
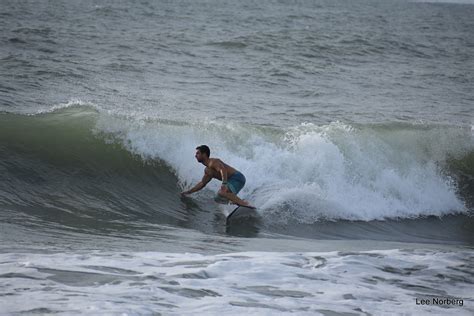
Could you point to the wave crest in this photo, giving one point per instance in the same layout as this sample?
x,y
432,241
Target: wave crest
x,y
305,173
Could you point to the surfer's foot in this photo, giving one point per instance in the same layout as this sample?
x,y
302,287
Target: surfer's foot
x,y
246,204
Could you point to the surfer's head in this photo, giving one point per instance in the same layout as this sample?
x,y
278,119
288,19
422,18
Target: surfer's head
x,y
202,153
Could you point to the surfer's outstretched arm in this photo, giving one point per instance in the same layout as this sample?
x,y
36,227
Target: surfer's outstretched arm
x,y
205,180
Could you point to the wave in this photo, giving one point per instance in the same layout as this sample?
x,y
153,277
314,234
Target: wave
x,y
306,173
447,1
312,283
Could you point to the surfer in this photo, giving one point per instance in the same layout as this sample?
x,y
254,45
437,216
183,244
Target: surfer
x,y
232,180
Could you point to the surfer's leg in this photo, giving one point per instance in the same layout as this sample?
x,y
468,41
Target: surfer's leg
x,y
232,197
234,184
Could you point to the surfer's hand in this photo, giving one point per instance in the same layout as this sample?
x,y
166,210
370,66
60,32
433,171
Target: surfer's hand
x,y
183,194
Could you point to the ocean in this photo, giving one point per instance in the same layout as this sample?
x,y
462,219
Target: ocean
x,y
352,120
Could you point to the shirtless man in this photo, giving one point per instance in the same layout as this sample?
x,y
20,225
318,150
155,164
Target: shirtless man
x,y
232,180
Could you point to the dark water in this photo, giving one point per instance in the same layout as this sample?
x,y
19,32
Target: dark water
x,y
272,63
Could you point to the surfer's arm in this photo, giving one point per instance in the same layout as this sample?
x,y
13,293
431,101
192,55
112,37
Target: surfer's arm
x,y
205,180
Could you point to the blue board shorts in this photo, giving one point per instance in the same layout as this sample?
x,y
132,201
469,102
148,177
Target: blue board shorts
x,y
236,182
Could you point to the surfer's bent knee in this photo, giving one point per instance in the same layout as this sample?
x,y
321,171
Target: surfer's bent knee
x,y
223,192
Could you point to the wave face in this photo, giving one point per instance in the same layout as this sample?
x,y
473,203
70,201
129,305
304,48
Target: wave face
x,y
81,158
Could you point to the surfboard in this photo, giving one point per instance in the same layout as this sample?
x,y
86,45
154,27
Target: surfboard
x,y
241,212
234,212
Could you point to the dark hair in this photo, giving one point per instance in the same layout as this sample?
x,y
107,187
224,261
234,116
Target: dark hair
x,y
204,150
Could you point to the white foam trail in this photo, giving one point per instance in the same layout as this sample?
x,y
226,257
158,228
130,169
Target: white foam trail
x,y
313,172
70,104
255,283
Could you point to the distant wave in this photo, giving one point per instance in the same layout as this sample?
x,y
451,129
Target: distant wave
x,y
229,44
447,1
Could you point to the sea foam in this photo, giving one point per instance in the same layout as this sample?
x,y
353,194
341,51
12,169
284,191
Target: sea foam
x,y
309,172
